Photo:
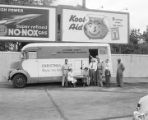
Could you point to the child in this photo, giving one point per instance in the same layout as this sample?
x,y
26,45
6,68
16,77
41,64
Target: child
x,y
86,76
70,77
107,73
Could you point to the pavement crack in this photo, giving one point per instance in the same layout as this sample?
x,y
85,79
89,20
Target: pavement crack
x,y
114,118
56,106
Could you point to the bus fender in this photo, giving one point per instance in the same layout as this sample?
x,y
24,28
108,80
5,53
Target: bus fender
x,y
14,72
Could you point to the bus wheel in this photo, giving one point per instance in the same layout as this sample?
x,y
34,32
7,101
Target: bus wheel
x,y
19,81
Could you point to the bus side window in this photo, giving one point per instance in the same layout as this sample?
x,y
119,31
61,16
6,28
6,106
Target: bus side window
x,y
103,50
32,55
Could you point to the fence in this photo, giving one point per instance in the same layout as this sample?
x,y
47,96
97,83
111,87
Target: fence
x,y
135,65
6,58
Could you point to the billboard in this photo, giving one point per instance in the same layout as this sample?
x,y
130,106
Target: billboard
x,y
95,26
27,23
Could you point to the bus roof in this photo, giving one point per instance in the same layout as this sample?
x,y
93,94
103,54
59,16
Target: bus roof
x,y
41,45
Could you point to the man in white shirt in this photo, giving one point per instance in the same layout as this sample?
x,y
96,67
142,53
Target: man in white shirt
x,y
65,69
92,69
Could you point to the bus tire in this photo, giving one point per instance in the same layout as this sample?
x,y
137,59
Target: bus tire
x,y
19,81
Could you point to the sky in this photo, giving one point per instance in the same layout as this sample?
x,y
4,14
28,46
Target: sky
x,y
136,8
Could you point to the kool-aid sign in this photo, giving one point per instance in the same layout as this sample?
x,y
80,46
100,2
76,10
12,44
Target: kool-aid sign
x,y
75,20
93,26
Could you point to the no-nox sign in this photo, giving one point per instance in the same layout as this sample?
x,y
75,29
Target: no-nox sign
x,y
27,23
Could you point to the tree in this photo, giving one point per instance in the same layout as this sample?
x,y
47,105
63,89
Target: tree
x,y
145,36
135,36
133,47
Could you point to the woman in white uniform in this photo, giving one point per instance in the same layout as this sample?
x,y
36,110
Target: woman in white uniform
x,y
70,77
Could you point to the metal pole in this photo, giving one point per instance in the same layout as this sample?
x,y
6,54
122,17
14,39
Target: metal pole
x,y
84,3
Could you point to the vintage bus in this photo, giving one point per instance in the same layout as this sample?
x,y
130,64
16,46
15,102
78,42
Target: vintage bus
x,y
42,62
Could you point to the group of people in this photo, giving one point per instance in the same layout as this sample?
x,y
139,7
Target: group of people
x,y
98,71
94,74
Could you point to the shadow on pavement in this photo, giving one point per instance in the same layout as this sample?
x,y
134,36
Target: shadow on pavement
x,y
137,87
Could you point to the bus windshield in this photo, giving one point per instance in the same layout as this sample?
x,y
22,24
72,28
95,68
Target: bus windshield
x,y
29,55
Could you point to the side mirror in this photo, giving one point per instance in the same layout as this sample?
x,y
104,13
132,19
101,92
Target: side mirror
x,y
22,56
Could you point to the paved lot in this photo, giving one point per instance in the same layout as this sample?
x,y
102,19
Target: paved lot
x,y
52,102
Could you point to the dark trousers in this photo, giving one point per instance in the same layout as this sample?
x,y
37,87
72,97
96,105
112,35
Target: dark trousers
x,y
92,76
119,79
99,78
107,78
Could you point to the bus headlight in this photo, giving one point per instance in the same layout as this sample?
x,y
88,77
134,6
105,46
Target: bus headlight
x,y
139,116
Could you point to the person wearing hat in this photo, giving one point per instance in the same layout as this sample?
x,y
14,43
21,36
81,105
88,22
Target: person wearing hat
x,y
119,76
92,71
65,69
99,72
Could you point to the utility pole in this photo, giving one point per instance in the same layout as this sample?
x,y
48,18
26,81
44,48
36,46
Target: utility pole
x,y
84,3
